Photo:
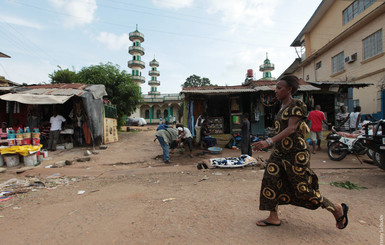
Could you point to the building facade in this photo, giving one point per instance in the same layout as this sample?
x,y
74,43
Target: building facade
x,y
343,43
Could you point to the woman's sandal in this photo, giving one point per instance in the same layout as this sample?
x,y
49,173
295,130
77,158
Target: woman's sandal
x,y
345,209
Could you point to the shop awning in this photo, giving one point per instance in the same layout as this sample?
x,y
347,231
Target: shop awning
x,y
36,99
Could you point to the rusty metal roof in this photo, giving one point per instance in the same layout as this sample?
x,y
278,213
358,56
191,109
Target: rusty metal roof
x,y
250,87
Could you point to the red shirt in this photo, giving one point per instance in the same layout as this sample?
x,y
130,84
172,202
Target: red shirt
x,y
316,118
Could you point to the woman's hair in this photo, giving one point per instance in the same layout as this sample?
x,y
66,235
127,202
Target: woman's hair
x,y
292,81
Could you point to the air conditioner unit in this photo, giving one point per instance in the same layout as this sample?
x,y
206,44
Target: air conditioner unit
x,y
353,58
347,59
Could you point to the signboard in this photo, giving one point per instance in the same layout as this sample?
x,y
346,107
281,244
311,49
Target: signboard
x,y
110,130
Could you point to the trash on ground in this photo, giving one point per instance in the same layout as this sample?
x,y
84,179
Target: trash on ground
x,y
204,178
81,192
168,199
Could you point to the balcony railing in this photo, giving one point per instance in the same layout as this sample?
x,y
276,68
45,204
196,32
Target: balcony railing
x,y
266,67
153,82
153,93
154,73
136,36
136,63
138,79
135,49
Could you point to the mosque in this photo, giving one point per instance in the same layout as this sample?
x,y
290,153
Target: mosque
x,y
155,106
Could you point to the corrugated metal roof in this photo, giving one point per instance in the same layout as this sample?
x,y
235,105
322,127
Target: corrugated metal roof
x,y
53,91
250,87
348,83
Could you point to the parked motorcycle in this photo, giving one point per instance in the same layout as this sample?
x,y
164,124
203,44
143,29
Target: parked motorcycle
x,y
339,145
375,141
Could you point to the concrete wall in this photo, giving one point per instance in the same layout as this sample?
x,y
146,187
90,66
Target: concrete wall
x,y
371,70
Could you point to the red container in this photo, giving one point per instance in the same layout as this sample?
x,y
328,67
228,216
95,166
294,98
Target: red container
x,y
11,142
19,141
27,141
250,73
36,141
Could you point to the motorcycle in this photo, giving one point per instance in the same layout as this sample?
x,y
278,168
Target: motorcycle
x,y
340,144
375,142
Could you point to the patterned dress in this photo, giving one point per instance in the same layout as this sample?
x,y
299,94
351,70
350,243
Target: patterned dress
x,y
288,178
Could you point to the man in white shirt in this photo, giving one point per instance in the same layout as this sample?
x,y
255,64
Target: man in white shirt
x,y
54,133
185,136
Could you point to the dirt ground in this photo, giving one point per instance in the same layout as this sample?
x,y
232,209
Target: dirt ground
x,y
132,198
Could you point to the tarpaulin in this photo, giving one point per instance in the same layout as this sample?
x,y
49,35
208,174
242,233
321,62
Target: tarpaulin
x,y
23,150
36,99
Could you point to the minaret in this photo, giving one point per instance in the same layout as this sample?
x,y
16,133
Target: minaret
x,y
154,73
136,64
266,68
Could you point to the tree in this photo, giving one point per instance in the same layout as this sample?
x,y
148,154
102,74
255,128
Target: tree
x,y
197,81
63,76
121,90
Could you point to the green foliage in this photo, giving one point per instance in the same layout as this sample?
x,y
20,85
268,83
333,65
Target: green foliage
x,y
197,81
348,185
63,76
121,90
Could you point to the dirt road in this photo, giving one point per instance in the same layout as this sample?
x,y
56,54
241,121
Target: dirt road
x,y
131,198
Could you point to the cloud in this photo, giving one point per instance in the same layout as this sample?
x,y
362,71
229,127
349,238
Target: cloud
x,y
113,41
20,22
174,4
248,13
81,11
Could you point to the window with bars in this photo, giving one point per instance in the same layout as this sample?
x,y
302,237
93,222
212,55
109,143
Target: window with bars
x,y
338,62
355,9
373,45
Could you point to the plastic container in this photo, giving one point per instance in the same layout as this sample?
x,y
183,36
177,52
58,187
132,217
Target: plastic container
x,y
30,160
11,160
19,141
44,153
11,142
36,130
27,141
36,141
36,135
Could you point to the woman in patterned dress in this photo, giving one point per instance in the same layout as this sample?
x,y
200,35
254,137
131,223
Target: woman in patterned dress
x,y
288,178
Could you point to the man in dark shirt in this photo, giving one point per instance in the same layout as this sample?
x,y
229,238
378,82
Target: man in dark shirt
x,y
245,134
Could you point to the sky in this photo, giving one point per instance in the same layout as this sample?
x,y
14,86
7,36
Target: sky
x,y
216,39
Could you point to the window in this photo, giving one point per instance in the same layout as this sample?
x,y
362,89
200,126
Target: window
x,y
355,9
147,114
318,65
372,45
338,62
158,114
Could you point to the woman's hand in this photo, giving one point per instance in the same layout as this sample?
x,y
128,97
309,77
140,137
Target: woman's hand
x,y
260,145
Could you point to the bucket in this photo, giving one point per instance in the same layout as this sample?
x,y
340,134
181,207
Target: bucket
x,y
30,160
68,145
44,153
11,142
26,141
36,135
19,141
36,141
11,160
